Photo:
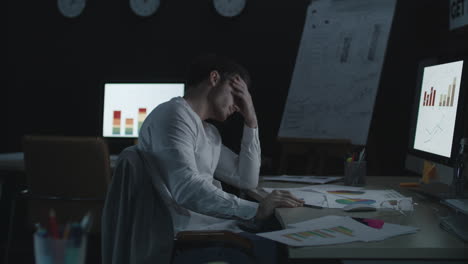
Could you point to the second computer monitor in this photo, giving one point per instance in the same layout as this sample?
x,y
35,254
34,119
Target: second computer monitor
x,y
438,108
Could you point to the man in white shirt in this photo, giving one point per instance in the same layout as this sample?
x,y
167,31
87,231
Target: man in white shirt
x,y
190,154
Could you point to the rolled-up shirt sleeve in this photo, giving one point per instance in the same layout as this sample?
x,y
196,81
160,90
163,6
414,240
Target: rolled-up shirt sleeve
x,y
241,171
188,187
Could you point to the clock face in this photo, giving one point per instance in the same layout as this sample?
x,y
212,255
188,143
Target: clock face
x,y
229,8
144,7
71,8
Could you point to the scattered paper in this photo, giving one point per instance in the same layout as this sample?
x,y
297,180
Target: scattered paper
x,y
304,179
323,188
337,196
390,199
310,197
333,229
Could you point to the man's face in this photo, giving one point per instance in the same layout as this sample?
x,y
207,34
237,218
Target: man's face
x,y
222,100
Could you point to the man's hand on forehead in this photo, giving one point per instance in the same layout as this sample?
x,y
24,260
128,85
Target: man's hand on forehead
x,y
243,100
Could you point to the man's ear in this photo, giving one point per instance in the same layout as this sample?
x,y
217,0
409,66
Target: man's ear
x,y
214,78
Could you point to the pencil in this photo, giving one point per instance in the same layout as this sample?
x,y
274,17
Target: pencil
x,y
312,206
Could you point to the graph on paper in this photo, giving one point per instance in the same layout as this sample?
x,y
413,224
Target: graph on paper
x,y
346,192
438,108
333,229
126,105
332,232
355,201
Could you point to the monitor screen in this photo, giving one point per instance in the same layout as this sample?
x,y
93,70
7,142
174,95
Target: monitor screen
x,y
126,105
438,110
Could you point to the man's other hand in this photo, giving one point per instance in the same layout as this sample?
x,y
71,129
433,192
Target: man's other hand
x,y
276,199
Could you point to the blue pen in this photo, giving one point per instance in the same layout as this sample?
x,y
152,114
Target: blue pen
x,y
74,243
40,231
76,234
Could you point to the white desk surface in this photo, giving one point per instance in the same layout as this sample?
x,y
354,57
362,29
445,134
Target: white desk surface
x,y
431,242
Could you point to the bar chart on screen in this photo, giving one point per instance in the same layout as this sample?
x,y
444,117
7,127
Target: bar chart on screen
x,y
129,124
445,100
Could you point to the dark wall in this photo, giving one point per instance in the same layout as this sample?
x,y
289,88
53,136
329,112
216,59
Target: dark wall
x,y
59,63
56,65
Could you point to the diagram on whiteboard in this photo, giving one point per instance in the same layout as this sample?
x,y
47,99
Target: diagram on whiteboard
x,y
337,70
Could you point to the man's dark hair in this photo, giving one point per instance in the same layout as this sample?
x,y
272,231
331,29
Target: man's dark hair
x,y
200,68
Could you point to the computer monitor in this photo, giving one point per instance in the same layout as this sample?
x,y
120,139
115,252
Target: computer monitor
x,y
437,120
126,105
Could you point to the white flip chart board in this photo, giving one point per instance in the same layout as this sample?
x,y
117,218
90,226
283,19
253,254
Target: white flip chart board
x,y
337,71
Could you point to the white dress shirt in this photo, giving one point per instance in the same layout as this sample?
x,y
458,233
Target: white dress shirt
x,y
190,154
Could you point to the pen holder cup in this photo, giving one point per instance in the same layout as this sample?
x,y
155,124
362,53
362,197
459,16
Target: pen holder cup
x,y
48,250
355,173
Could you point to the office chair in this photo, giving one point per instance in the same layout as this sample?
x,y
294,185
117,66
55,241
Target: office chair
x,y
137,224
68,174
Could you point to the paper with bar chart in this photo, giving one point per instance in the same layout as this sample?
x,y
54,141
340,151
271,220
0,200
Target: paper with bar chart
x,y
438,108
334,229
126,105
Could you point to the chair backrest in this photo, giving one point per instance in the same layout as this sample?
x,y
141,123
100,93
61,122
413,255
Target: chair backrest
x,y
136,222
64,170
67,166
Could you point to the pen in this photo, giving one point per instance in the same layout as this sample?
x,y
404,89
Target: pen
x,y
86,222
66,232
312,206
53,224
361,155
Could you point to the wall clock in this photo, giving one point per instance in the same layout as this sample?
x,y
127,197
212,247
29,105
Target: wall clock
x,y
71,8
144,8
229,8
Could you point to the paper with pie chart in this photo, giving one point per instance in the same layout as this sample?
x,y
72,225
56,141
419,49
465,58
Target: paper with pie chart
x,y
341,196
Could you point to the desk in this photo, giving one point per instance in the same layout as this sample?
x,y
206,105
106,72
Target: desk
x,y
431,242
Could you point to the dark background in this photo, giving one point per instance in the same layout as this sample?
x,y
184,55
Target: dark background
x,y
56,65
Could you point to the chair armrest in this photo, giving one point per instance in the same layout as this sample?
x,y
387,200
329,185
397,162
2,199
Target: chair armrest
x,y
215,237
